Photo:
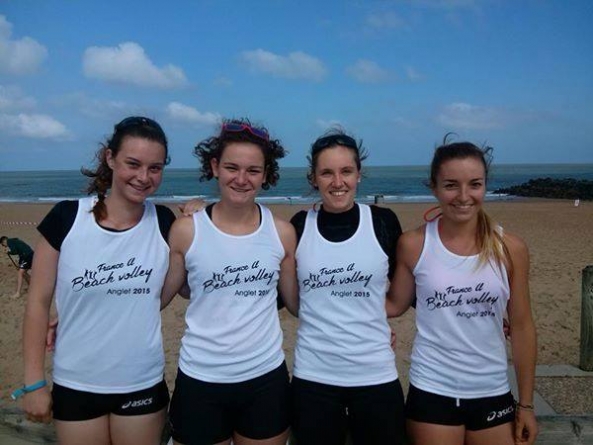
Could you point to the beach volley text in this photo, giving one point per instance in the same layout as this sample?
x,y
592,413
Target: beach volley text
x,y
329,276
236,275
104,274
471,301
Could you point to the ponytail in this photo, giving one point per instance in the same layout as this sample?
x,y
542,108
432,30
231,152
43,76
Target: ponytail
x,y
100,183
490,243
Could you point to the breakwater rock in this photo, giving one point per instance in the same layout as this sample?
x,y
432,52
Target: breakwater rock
x,y
568,188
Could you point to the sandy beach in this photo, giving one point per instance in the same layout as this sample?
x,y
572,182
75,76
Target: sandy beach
x,y
559,236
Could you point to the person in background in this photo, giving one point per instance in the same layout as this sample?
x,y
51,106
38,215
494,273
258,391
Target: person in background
x,y
232,382
105,257
16,246
466,273
344,376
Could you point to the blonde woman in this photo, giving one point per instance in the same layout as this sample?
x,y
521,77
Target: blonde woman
x,y
466,272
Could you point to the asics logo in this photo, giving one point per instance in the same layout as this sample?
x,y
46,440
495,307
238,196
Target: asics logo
x,y
498,414
137,403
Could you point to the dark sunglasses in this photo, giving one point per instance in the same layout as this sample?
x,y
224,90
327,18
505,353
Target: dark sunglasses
x,y
332,140
138,121
235,127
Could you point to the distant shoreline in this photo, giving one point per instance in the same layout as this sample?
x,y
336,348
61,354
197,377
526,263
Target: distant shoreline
x,y
494,167
382,184
268,200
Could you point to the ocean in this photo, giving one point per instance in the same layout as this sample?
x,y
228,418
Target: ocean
x,y
387,184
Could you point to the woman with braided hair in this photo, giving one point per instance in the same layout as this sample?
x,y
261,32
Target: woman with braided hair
x,y
105,257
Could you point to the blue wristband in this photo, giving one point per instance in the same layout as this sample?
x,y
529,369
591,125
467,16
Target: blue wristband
x,y
25,389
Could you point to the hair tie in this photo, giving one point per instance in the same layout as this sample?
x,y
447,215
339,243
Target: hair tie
x,y
426,216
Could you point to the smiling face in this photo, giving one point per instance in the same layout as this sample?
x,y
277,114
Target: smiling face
x,y
240,172
137,168
460,188
336,176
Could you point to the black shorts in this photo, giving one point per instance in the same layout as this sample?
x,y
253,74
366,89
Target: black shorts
x,y
25,262
322,414
205,413
71,404
474,414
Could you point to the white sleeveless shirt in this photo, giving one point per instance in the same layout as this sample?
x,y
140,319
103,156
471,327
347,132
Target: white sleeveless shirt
x,y
343,336
459,350
233,332
108,290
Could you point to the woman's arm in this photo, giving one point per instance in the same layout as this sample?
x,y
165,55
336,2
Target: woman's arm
x,y
37,404
403,286
287,284
523,338
180,239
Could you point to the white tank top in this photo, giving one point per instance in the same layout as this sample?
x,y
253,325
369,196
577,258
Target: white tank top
x,y
233,332
343,336
459,350
108,299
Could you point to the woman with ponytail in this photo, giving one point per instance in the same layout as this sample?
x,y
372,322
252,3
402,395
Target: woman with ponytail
x,y
105,257
465,272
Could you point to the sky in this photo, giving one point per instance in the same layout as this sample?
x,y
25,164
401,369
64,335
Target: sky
x,y
516,75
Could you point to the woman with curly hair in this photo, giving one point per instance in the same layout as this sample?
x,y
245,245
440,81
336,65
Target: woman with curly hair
x,y
105,257
232,382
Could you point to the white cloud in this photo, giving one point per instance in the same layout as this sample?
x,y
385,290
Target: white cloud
x,y
386,20
35,126
97,108
367,71
404,122
413,75
224,82
297,65
128,63
471,117
328,124
184,113
101,108
22,56
447,4
12,99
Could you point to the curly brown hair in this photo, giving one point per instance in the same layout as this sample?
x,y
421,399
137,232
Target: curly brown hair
x,y
241,130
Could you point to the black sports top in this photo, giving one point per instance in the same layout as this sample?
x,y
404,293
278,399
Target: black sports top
x,y
338,227
58,222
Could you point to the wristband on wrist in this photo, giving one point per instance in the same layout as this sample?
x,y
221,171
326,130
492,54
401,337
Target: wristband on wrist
x,y
526,407
27,388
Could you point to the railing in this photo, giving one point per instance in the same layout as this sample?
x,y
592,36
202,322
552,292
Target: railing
x,y
586,361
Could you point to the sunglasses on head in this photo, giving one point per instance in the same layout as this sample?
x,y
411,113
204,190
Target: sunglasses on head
x,y
334,139
138,121
236,127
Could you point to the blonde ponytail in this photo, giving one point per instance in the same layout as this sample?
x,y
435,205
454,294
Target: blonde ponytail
x,y
490,243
